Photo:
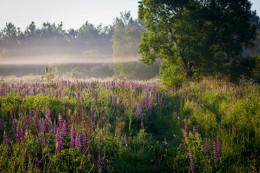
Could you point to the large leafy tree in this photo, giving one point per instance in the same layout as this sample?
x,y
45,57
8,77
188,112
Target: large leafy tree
x,y
197,37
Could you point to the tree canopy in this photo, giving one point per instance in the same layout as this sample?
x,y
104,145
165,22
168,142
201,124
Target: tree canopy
x,y
198,37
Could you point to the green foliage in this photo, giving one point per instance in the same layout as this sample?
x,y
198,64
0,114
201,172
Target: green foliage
x,y
201,37
245,116
171,75
124,140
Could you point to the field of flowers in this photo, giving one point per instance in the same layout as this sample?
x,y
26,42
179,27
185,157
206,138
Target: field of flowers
x,y
129,126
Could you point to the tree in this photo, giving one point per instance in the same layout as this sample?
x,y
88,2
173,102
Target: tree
x,y
32,32
9,34
200,37
52,31
126,39
255,20
88,32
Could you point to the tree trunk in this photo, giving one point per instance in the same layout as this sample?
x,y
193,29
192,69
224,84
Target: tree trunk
x,y
187,67
189,73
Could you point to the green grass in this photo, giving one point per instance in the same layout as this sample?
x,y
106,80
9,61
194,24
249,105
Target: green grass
x,y
120,143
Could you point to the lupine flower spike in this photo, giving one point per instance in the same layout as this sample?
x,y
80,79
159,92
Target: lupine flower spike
x,y
192,164
72,138
215,154
186,128
218,147
206,147
5,138
59,144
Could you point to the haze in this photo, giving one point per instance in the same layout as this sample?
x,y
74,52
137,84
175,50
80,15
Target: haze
x,y
89,43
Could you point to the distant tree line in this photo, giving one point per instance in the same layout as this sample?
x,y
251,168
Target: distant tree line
x,y
11,34
87,36
190,39
118,42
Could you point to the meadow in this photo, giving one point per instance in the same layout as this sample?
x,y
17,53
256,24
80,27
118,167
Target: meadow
x,y
129,126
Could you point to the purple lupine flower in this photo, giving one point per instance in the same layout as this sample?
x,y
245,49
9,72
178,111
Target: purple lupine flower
x,y
101,116
42,142
142,124
196,130
18,134
48,115
134,111
14,127
11,115
60,122
124,140
186,128
83,118
155,98
72,138
81,142
182,146
101,164
93,126
59,144
104,167
20,111
85,140
92,113
94,95
37,163
25,124
5,138
43,126
215,154
111,99
52,129
218,147
206,144
65,128
34,91
120,100
139,111
36,116
192,164
146,98
1,122
30,116
115,100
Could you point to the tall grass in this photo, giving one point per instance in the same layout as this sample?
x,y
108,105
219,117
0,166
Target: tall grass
x,y
128,126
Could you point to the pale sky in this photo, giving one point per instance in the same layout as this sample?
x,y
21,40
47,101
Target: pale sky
x,y
73,13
